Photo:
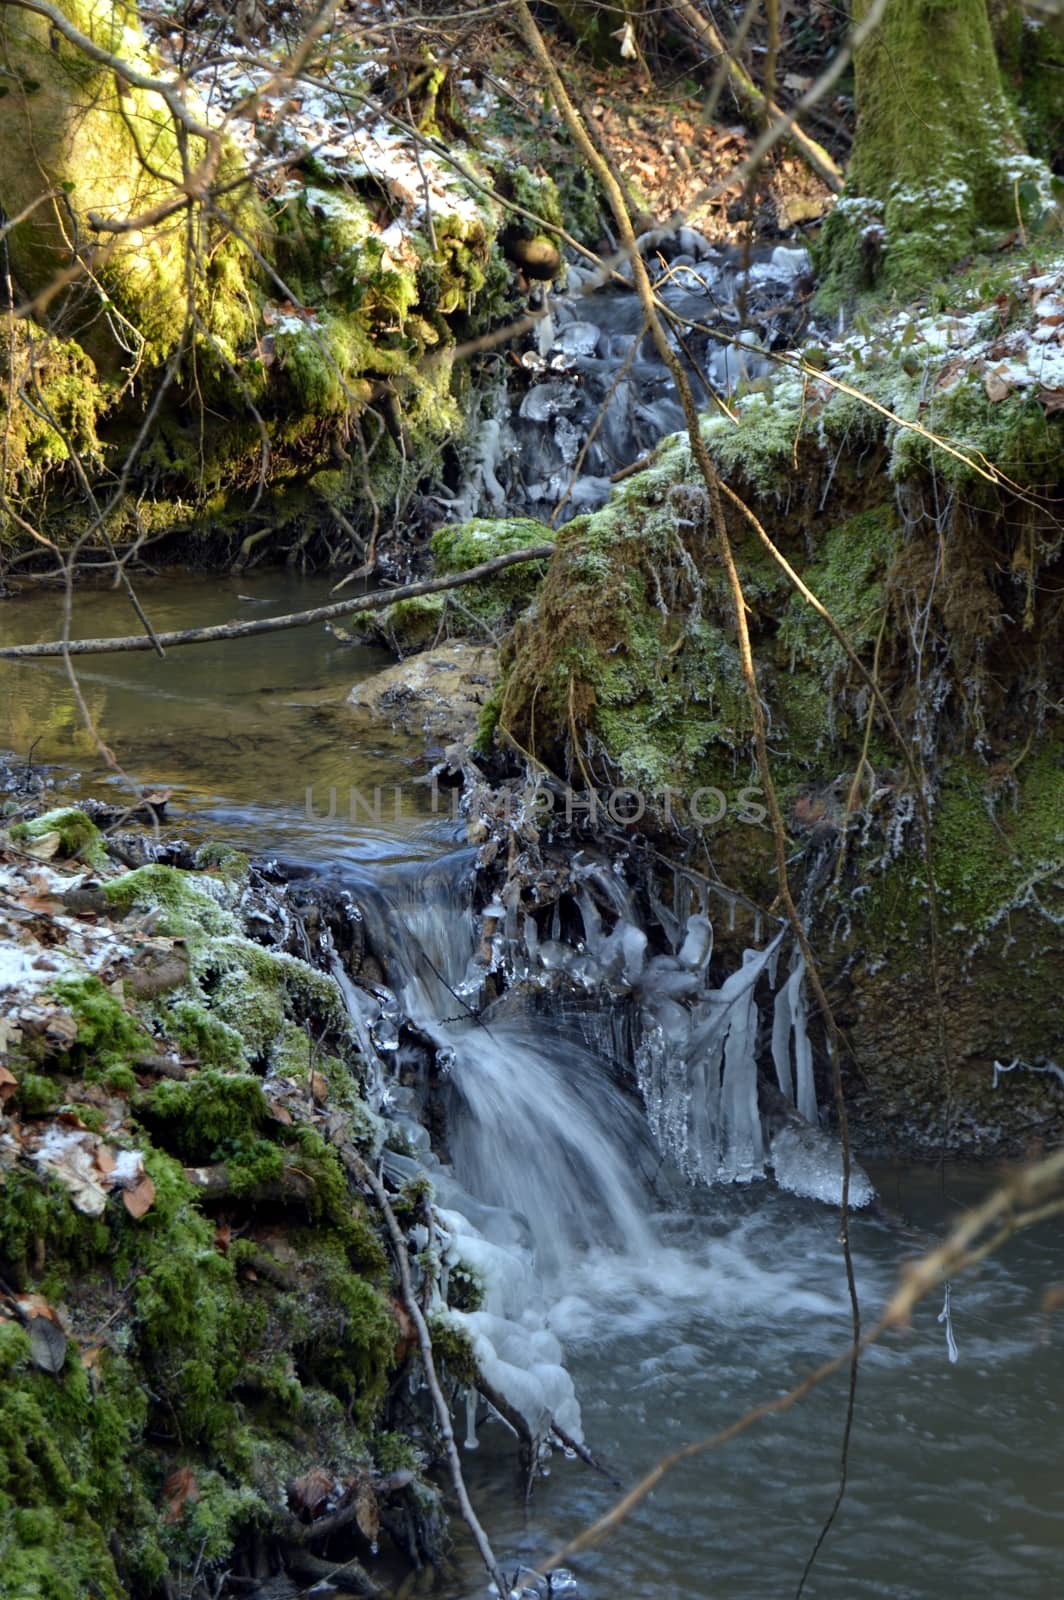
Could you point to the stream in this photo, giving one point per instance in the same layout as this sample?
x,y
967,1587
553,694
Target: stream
x,y
678,1306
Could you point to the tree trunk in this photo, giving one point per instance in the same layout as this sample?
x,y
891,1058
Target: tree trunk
x,y
937,159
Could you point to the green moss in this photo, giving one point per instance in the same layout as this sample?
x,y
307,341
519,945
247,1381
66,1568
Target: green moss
x,y
411,624
208,1112
351,1333
108,1037
993,850
452,1349
847,573
191,906
78,836
229,863
496,601
36,1095
932,169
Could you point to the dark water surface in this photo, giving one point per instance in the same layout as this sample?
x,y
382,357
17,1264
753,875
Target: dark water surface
x,y
239,729
956,1482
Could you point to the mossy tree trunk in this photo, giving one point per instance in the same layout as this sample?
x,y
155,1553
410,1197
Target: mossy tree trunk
x,y
937,158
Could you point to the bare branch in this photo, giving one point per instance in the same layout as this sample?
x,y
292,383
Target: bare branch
x,y
295,619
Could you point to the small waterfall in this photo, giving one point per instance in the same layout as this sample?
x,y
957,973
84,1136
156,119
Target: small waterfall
x,y
535,1124
539,1085
549,1154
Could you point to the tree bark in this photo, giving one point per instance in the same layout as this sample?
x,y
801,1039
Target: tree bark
x,y
937,157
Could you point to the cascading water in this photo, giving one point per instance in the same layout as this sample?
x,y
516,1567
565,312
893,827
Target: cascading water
x,y
552,1165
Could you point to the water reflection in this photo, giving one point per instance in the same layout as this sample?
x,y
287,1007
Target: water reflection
x,y
238,729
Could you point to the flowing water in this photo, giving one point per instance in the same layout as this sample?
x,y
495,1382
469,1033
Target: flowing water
x,y
678,1305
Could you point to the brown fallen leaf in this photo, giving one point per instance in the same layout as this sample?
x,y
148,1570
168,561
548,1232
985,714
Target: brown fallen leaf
x,y
319,1088
8,1084
139,1199
180,1487
311,1494
950,372
1051,401
367,1514
997,385
280,1113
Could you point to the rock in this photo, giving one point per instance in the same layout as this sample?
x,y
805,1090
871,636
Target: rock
x,y
537,258
440,693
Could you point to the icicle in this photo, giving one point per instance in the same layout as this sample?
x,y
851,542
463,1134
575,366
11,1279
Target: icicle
x,y
698,944
633,946
592,922
471,1440
743,1151
946,1316
782,1021
803,1052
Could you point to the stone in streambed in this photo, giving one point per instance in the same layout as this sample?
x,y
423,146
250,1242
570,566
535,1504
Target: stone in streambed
x,y
439,693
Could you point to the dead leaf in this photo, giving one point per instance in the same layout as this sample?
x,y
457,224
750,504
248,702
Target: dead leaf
x,y
950,372
367,1515
70,1153
407,1331
106,1159
48,1344
319,1088
139,1199
180,1487
60,1030
1051,401
310,1495
222,1236
280,1113
8,1084
998,385
44,847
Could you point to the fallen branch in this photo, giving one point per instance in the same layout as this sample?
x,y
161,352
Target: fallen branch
x,y
348,1576
567,1442
294,619
217,1183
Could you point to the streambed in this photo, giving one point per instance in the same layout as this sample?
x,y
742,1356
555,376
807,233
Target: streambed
x,y
732,1293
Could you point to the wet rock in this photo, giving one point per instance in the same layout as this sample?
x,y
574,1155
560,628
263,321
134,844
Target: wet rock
x,y
440,693
538,258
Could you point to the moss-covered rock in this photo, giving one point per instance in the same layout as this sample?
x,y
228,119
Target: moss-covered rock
x,y
222,1340
480,612
66,832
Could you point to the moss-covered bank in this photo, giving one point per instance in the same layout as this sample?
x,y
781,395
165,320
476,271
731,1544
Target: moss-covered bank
x,y
288,342
198,1330
941,563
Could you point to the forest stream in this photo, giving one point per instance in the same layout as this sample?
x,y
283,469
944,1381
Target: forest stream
x,y
678,1306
